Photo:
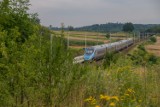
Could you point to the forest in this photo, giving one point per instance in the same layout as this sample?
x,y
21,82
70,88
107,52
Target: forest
x,y
37,70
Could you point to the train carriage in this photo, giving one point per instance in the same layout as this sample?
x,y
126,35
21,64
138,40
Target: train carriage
x,y
99,51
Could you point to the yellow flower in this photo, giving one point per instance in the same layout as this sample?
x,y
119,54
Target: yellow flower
x,y
88,99
112,104
97,106
131,90
91,100
104,97
115,97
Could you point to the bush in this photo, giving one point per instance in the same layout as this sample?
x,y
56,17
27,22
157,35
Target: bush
x,y
107,35
153,39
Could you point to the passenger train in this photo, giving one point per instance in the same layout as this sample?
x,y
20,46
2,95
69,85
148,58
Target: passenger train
x,y
99,51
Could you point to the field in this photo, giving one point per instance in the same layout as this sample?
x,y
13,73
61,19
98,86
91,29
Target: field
x,y
78,40
154,48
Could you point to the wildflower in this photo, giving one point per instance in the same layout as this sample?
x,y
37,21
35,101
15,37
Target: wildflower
x,y
88,99
104,97
97,106
112,104
91,100
131,90
115,97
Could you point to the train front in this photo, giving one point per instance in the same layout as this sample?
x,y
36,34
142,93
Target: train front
x,y
89,54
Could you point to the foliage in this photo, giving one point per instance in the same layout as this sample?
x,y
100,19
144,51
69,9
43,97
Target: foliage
x,y
128,27
155,29
153,39
36,70
107,35
14,14
110,58
142,57
70,28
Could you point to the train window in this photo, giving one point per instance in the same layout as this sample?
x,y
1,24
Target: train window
x,y
89,51
101,52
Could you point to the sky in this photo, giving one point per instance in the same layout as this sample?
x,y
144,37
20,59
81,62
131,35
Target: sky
x,y
79,13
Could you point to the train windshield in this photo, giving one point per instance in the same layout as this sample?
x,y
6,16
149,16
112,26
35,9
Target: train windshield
x,y
89,51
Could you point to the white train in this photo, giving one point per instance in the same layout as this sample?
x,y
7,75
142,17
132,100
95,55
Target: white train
x,y
99,51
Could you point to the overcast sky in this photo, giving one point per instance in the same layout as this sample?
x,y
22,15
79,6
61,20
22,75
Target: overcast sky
x,y
87,12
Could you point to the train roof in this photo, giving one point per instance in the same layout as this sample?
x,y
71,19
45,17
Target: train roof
x,y
108,45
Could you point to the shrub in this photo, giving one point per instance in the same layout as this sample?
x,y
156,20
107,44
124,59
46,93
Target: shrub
x,y
153,39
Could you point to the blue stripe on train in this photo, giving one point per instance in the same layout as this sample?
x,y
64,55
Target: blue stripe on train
x,y
88,57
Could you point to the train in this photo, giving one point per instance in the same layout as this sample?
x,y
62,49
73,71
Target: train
x,y
99,51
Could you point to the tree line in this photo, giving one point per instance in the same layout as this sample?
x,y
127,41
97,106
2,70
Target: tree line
x,y
108,27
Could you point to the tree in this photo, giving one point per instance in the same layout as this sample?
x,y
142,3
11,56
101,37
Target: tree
x,y
155,29
70,28
128,27
108,35
153,39
13,13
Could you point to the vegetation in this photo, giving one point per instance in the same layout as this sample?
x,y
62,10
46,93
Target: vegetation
x,y
36,69
155,29
124,83
128,27
142,57
153,39
107,35
70,28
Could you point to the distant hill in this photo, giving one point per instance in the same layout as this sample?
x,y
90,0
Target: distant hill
x,y
110,27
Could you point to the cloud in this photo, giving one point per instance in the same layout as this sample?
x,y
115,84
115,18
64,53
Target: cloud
x,y
86,12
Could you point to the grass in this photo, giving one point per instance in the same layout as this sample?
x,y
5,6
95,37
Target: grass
x,y
119,85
